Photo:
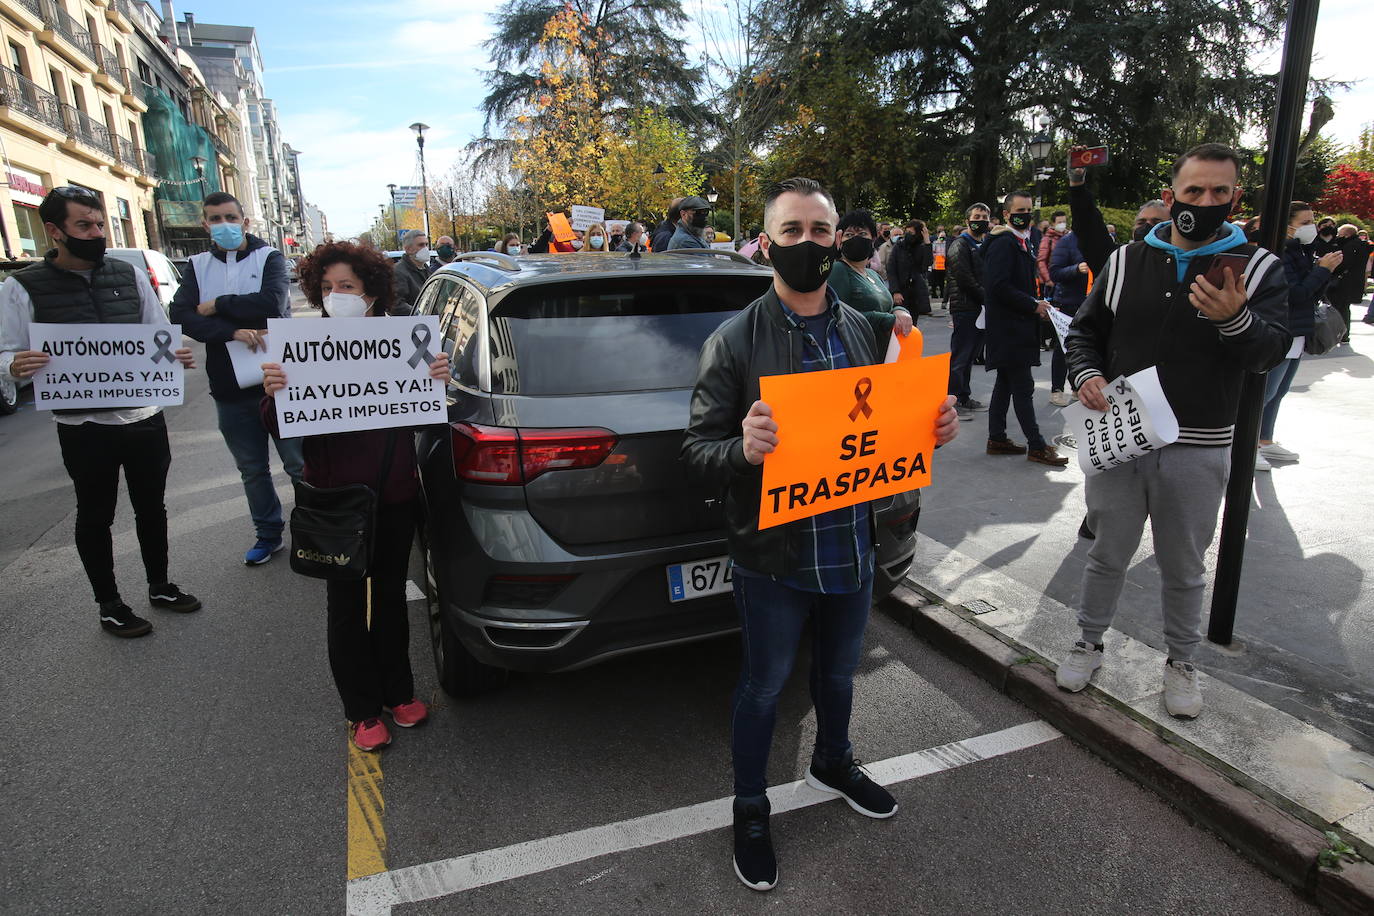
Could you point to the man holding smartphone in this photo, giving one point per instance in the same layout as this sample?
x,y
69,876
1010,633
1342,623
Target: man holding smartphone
x,y
1156,306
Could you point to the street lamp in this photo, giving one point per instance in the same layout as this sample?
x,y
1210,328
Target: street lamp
x,y
420,129
395,227
199,163
712,195
1040,146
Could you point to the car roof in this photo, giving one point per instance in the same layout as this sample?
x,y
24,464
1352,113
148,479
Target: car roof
x,y
492,275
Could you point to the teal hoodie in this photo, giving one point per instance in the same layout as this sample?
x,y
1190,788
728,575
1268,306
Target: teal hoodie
x,y
1231,237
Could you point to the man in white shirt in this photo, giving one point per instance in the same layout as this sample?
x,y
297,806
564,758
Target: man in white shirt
x,y
76,284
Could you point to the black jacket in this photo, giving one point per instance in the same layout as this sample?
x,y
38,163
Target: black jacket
x,y
1305,283
409,278
1347,286
963,274
1009,276
756,342
908,264
1138,315
1090,228
249,310
663,235
1070,284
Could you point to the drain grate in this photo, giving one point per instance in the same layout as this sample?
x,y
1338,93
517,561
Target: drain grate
x,y
1066,441
979,606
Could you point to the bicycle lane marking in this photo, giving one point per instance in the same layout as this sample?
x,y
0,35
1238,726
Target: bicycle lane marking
x,y
375,894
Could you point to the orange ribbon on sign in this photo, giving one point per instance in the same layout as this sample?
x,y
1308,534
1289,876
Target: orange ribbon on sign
x,y
847,436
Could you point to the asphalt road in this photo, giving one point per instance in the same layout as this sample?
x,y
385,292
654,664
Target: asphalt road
x,y
205,769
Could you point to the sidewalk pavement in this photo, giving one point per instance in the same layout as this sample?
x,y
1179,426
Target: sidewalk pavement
x,y
998,570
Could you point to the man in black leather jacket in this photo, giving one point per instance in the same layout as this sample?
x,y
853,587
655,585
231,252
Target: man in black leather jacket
x,y
818,569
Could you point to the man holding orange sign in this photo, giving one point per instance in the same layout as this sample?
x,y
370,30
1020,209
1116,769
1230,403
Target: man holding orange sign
x,y
812,561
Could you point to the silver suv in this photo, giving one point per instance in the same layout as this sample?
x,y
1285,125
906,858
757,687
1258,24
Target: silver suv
x,y
560,526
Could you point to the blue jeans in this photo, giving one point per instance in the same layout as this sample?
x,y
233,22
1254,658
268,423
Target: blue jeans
x,y
1276,382
241,425
963,345
1014,388
772,618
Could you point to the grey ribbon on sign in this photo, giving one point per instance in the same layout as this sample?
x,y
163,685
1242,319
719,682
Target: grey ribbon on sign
x,y
163,341
420,335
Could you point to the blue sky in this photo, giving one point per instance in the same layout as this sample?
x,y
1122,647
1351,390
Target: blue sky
x,y
349,77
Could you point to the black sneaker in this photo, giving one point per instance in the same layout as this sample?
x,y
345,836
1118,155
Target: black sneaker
x,y
755,863
172,598
118,618
849,780
974,404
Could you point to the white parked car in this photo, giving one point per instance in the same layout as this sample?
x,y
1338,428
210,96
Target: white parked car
x,y
161,271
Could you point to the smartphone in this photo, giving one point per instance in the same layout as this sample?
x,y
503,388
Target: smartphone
x,y
1215,271
1092,155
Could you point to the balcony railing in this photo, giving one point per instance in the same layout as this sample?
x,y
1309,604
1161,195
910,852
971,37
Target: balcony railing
x,y
25,95
147,162
221,146
122,6
64,24
87,130
109,62
32,6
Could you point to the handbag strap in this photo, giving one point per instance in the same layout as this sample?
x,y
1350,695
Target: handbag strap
x,y
386,463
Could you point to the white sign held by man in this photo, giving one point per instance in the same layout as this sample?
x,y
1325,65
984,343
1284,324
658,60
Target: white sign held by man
x,y
1061,324
345,374
1138,420
583,217
100,366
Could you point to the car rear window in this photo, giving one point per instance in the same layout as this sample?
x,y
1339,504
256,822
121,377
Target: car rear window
x,y
592,336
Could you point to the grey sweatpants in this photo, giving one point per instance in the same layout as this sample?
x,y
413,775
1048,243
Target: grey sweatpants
x,y
1179,488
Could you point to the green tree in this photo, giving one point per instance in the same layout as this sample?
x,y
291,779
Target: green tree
x,y
1361,155
639,171
631,53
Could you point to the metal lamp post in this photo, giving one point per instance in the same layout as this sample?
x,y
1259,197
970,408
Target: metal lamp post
x,y
420,129
395,226
1040,146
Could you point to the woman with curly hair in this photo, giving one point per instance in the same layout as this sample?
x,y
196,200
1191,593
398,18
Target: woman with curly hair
x,y
368,653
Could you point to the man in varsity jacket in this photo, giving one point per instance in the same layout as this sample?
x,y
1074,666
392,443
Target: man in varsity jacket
x,y
1154,307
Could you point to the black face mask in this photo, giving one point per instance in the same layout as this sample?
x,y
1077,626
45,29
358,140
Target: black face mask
x,y
803,266
1019,221
979,226
1327,232
699,219
92,250
1198,224
857,248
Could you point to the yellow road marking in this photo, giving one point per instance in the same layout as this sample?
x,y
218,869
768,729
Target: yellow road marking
x,y
366,829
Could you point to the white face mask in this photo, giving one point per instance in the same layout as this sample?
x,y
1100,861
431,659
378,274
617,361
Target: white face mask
x,y
1061,227
597,241
577,244
345,305
423,255
1306,235
514,249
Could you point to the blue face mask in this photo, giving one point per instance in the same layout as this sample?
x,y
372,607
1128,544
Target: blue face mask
x,y
228,236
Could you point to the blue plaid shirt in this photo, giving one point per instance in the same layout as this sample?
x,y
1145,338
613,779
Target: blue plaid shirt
x,y
837,552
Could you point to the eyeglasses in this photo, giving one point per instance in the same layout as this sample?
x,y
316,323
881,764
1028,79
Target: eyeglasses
x,y
71,192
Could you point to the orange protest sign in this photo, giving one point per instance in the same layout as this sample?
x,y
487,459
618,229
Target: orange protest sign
x,y
847,436
560,227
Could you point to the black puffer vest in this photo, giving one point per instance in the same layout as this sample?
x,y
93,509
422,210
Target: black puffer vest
x,y
63,297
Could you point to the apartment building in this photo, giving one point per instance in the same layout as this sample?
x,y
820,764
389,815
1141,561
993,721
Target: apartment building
x,y
71,114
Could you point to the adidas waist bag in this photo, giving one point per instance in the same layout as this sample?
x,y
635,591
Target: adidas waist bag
x,y
331,531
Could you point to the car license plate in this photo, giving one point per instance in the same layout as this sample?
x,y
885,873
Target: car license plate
x,y
699,578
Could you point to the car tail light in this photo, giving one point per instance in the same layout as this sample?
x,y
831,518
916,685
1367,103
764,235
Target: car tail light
x,y
506,456
152,278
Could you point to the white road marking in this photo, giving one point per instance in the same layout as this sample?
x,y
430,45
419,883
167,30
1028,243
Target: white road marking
x,y
413,592
375,895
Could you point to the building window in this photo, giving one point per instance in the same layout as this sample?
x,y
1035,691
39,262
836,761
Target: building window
x,y
17,60
144,73
125,221
31,233
55,76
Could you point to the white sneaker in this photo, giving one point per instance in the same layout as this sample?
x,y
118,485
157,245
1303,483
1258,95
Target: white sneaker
x,y
1059,399
1261,464
1275,452
1182,696
1076,670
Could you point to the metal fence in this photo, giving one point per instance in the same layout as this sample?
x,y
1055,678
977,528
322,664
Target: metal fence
x,y
87,130
25,95
64,24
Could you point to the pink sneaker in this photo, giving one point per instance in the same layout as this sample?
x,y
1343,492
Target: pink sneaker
x,y
370,735
408,715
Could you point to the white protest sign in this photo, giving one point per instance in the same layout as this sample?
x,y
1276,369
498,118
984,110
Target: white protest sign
x,y
1061,324
1138,420
346,374
723,246
981,322
582,217
99,366
247,363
